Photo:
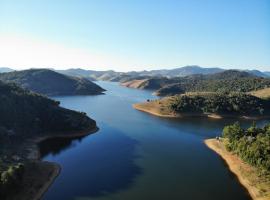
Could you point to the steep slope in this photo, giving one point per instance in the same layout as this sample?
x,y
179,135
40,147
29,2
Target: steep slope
x,y
49,82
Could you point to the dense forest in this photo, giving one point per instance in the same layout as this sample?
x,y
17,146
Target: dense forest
x,y
49,82
234,103
24,112
251,144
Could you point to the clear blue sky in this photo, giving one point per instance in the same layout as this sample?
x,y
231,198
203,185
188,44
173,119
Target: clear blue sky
x,y
135,34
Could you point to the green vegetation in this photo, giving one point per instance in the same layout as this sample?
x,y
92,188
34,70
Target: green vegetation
x,y
25,116
251,144
49,82
10,179
24,113
230,80
235,103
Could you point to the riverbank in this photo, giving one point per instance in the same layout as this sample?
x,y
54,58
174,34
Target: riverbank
x,y
39,175
160,108
257,186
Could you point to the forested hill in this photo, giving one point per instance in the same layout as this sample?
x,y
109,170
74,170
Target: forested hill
x,y
234,103
230,80
24,113
26,117
49,82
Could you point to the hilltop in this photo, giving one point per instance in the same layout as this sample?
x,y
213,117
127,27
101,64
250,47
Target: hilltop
x,y
51,83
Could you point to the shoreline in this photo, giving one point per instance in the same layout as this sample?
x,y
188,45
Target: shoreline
x,y
246,174
153,112
157,112
56,170
51,169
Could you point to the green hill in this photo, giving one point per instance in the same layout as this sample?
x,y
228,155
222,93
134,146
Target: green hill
x,y
230,80
51,83
234,104
24,113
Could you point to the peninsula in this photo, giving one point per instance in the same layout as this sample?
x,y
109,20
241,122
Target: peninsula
x,y
208,104
245,152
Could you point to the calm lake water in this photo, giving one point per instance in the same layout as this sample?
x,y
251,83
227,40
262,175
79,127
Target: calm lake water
x,y
137,156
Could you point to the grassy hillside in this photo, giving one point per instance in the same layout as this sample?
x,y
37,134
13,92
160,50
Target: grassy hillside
x,y
48,82
263,93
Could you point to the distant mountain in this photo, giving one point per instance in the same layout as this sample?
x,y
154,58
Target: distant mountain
x,y
5,69
91,74
267,73
177,72
187,70
258,73
77,73
111,75
49,82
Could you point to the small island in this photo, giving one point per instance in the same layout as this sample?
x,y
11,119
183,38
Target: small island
x,y
208,104
247,153
26,118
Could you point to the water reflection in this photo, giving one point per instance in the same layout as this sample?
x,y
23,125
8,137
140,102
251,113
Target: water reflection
x,y
100,165
57,145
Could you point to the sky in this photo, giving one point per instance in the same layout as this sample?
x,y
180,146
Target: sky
x,y
126,35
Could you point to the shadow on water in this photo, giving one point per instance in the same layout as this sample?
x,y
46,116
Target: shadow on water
x,y
57,145
98,166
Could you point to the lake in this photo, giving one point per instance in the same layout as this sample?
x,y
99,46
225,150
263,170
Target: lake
x,y
137,156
